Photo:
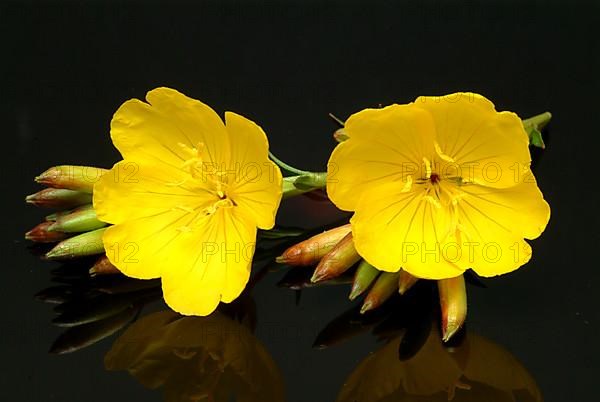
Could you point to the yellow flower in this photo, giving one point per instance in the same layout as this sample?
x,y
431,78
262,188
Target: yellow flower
x,y
438,186
186,201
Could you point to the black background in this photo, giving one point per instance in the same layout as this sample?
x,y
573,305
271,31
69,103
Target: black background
x,y
67,66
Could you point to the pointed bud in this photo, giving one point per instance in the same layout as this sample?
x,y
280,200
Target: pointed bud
x,y
364,277
54,216
453,303
79,220
312,250
79,178
340,135
58,198
103,266
383,288
405,281
85,244
41,234
337,261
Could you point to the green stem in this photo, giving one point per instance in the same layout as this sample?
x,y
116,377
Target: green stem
x,y
303,182
537,121
285,166
337,120
296,185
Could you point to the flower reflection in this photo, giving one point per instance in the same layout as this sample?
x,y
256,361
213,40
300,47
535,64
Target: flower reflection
x,y
477,370
212,358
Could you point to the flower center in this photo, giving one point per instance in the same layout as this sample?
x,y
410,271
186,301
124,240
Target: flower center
x,y
203,175
201,171
434,178
223,202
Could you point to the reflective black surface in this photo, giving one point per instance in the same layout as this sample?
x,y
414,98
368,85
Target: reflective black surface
x,y
67,66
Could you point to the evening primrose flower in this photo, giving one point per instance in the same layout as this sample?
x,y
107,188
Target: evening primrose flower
x,y
438,186
186,200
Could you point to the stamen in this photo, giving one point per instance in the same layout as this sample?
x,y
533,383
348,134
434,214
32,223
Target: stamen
x,y
193,163
407,184
177,183
427,168
222,203
183,208
197,170
441,154
433,201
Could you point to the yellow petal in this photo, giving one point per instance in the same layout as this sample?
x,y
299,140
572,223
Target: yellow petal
x,y
132,190
153,131
491,148
137,247
201,269
394,229
493,223
257,185
385,145
521,208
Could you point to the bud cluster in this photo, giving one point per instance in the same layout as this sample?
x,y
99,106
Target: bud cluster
x,y
74,227
334,254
